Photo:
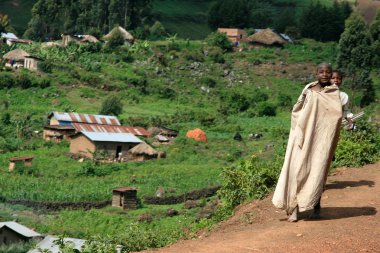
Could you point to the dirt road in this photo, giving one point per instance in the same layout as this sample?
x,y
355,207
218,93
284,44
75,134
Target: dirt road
x,y
350,222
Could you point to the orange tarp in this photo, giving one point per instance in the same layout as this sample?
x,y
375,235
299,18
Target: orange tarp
x,y
197,134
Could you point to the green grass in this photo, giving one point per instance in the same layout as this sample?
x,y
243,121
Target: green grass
x,y
189,165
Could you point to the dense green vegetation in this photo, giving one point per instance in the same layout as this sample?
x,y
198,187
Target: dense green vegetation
x,y
175,83
181,84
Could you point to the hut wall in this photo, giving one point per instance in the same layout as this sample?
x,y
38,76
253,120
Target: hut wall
x,y
81,145
117,199
8,236
54,121
31,63
130,200
111,147
50,134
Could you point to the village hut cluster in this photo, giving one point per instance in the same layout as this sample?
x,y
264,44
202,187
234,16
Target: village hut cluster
x,y
89,134
261,37
19,58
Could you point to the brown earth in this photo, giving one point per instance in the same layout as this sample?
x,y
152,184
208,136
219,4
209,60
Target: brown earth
x,y
368,9
350,222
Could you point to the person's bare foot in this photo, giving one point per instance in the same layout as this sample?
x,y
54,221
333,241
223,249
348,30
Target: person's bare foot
x,y
294,216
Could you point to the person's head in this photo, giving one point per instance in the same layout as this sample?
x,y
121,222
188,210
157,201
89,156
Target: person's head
x,y
337,77
324,73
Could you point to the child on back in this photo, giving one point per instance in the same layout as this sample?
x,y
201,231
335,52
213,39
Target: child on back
x,y
337,79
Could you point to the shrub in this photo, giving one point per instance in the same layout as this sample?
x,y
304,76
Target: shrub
x,y
24,81
358,147
219,40
112,105
7,80
265,109
193,55
210,82
252,178
284,100
45,66
215,54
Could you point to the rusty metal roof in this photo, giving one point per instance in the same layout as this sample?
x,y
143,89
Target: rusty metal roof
x,y
86,118
59,127
138,131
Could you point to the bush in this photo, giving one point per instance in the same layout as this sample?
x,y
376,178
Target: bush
x,y
193,55
215,54
210,82
284,100
112,106
265,109
252,178
7,80
24,81
358,147
45,66
220,40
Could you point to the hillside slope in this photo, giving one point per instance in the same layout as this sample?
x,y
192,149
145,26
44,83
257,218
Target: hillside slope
x,y
350,222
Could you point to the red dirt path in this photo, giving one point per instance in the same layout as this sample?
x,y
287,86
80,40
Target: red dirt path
x,y
350,223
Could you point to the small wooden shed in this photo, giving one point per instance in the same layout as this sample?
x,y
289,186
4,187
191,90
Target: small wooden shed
x,y
13,232
124,197
31,62
26,160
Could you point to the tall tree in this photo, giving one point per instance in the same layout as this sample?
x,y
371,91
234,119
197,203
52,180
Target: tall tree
x,y
354,49
375,34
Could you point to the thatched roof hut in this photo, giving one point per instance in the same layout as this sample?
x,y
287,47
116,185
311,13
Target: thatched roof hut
x,y
143,149
17,55
126,35
143,152
266,37
89,38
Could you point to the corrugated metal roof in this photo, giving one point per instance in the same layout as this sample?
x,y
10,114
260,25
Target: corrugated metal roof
x,y
112,137
20,229
138,131
86,118
8,36
48,244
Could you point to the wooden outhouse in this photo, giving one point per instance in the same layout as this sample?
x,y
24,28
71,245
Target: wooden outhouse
x,y
124,197
26,160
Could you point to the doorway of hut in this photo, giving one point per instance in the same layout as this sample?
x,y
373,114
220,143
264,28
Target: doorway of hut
x,y
118,152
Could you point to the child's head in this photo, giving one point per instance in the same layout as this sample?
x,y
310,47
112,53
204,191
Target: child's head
x,y
337,77
324,73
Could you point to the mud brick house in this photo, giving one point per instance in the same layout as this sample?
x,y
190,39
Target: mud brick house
x,y
234,34
124,197
58,133
115,145
13,232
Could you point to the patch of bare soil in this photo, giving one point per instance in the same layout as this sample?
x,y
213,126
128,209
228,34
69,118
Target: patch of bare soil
x,y
300,72
350,222
368,8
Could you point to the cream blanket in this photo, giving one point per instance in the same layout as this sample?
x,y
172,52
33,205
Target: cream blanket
x,y
314,133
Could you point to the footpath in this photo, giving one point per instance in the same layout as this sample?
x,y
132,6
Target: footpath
x,y
350,222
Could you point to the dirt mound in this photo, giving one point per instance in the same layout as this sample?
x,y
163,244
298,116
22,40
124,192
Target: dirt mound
x,y
197,134
350,222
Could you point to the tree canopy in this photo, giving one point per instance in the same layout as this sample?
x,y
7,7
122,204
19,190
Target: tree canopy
x,y
50,18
